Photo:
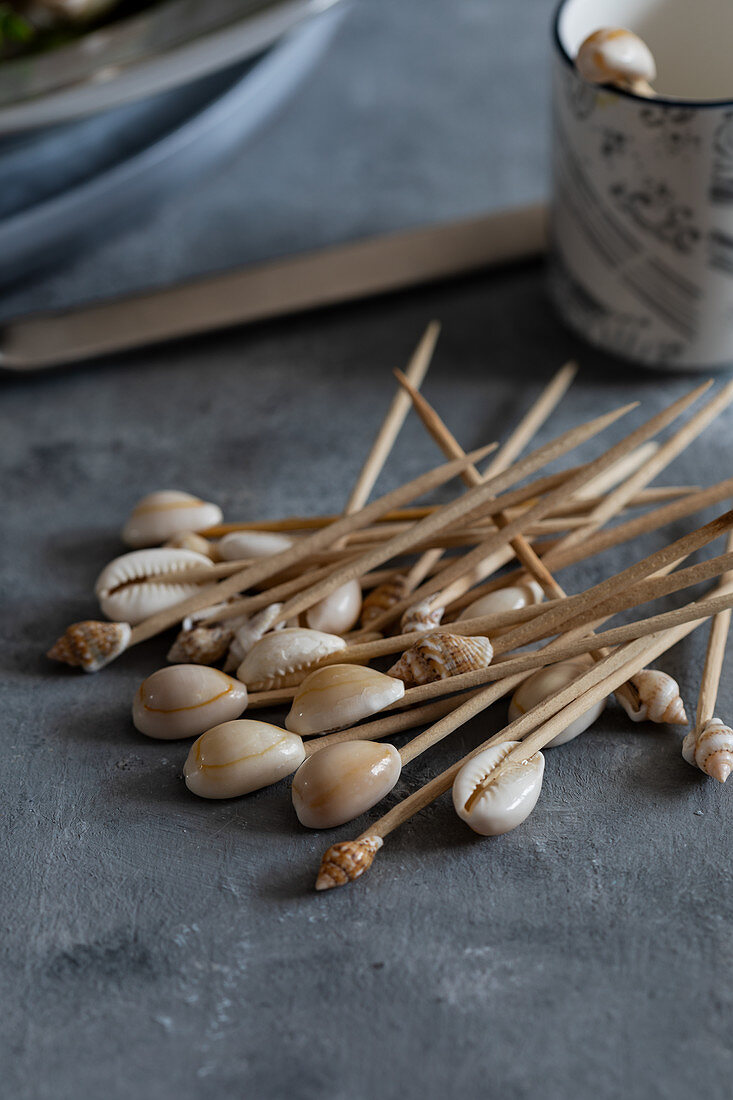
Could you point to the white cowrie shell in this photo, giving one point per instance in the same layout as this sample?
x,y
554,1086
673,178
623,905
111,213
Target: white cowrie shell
x,y
342,781
614,54
338,612
249,632
510,598
242,545
337,696
280,659
161,515
505,803
239,757
185,700
128,591
550,681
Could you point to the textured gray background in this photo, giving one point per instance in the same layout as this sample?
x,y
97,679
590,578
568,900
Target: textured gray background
x,y
158,946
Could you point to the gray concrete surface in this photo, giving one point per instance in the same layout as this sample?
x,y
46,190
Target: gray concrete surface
x,y
158,947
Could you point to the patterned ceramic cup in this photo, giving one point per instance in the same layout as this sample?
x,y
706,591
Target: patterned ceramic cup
x,y
642,212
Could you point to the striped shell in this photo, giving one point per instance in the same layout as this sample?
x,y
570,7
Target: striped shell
x,y
282,658
659,698
710,750
201,645
421,617
161,515
441,655
382,599
91,645
249,632
127,588
345,862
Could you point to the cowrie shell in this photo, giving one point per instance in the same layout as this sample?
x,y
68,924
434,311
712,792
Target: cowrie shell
x,y
337,696
185,700
510,598
241,545
279,659
340,782
505,803
236,758
160,516
549,681
128,591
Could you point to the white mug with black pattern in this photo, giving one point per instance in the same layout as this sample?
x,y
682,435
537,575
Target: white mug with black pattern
x,y
642,211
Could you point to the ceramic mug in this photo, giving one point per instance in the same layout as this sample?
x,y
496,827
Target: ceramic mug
x,y
642,212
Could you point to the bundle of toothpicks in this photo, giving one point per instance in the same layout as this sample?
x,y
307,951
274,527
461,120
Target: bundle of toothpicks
x,y
397,615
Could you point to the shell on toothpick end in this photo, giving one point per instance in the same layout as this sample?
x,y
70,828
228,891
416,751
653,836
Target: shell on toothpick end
x,y
382,598
439,655
421,617
91,644
201,644
710,749
659,698
347,861
615,55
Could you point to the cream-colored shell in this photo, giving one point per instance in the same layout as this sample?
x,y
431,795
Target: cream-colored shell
x,y
551,681
338,612
189,540
249,632
280,659
90,644
510,598
127,588
614,54
201,645
184,700
506,802
659,698
421,617
161,515
347,861
343,781
440,655
710,750
239,757
382,598
337,696
243,545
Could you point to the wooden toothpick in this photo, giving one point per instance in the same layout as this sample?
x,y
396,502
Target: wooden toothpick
x,y
714,658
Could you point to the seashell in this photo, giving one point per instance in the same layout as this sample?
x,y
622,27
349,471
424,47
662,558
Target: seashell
x,y
239,757
710,750
337,612
504,803
343,781
189,540
161,515
510,598
615,54
201,645
659,698
128,591
347,861
91,645
421,617
280,659
184,700
249,632
337,696
550,681
440,655
383,598
242,545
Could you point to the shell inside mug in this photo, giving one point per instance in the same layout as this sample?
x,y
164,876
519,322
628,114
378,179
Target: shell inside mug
x,y
690,40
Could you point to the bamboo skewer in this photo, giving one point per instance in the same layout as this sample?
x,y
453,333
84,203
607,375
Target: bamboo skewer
x,y
714,658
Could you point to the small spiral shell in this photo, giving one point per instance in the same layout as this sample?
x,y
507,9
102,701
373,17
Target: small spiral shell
x,y
710,750
382,598
659,698
440,655
421,617
345,862
91,645
201,645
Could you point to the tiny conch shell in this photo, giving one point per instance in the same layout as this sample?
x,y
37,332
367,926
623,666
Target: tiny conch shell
x,y
127,589
382,598
236,758
189,540
91,645
243,545
337,696
201,644
659,698
280,659
421,617
493,808
161,515
614,54
249,632
337,612
342,781
710,750
510,598
440,655
184,700
550,681
346,861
